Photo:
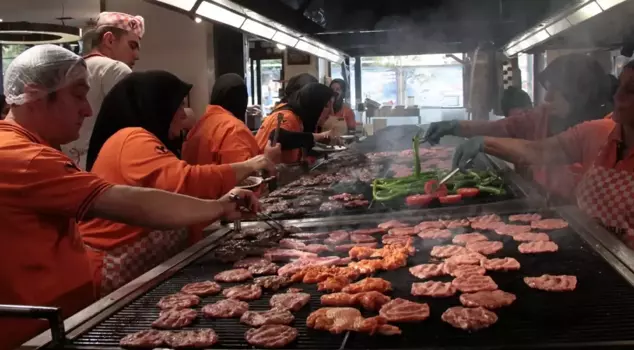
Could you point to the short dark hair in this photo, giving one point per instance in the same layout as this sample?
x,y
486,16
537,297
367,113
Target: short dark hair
x,y
101,32
514,97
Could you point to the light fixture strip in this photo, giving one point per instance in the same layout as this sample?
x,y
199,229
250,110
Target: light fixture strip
x,y
186,5
285,39
587,11
606,4
258,29
220,14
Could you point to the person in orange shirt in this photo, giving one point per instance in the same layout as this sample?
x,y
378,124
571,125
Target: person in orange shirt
x,y
299,121
220,136
341,109
130,146
578,90
43,193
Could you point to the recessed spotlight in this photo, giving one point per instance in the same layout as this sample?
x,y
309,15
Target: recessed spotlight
x,y
197,20
0,19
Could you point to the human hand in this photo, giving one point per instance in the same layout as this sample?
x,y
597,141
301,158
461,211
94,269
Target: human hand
x,y
439,129
274,153
466,151
238,198
262,162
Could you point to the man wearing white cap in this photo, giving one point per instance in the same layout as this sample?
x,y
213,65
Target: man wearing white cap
x,y
116,42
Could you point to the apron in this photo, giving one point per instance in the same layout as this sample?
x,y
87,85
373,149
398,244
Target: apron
x,y
338,124
125,263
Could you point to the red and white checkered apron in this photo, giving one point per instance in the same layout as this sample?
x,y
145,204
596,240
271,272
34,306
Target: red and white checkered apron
x,y
608,195
125,263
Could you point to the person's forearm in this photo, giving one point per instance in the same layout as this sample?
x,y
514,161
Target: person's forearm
x,y
471,128
523,152
242,170
154,208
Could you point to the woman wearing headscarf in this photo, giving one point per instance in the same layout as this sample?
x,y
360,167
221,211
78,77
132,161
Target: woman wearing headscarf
x,y
221,136
130,146
300,116
341,109
294,84
577,90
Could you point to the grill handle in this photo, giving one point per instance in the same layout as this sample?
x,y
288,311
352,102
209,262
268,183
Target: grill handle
x,y
52,314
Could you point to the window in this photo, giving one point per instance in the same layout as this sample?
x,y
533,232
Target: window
x,y
525,63
336,73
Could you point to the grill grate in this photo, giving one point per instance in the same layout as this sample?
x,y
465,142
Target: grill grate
x,y
597,312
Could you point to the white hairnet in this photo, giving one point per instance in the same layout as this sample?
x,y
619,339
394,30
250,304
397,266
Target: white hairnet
x,y
39,71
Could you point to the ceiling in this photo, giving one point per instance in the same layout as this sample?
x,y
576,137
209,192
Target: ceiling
x,y
46,11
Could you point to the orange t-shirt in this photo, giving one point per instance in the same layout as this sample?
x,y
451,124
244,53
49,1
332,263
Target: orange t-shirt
x,y
219,138
583,144
135,157
290,122
43,262
348,115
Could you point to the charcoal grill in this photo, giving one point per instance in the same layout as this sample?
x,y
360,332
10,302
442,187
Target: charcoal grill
x,y
597,315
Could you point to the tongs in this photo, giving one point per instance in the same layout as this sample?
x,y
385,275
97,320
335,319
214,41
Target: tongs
x,y
272,180
267,219
453,173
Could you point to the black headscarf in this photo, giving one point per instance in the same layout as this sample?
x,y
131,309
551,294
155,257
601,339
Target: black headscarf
x,y
584,84
142,99
230,92
296,83
308,103
338,105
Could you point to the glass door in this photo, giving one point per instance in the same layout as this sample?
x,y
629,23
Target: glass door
x,y
264,78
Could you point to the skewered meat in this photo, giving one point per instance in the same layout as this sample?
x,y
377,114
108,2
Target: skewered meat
x,y
391,224
268,269
464,270
469,238
367,231
525,217
402,240
552,283
425,271
244,292
538,247
357,238
446,251
403,231
435,234
178,301
340,319
309,201
427,225
198,338
226,308
345,197
433,289
474,283
148,339
367,267
457,223
334,283
247,262
485,218
401,310
273,316
232,276
295,266
487,225
337,237
504,264
289,301
486,248
202,288
369,284
470,258
469,318
271,336
549,224
531,237
330,206
287,254
511,230
359,203
175,318
488,299
272,282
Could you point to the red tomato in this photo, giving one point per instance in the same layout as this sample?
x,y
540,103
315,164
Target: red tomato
x,y
431,188
418,200
468,192
452,199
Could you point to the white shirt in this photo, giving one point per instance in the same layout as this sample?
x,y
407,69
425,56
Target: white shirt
x,y
103,74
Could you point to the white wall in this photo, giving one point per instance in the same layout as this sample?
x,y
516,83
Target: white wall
x,y
172,42
312,68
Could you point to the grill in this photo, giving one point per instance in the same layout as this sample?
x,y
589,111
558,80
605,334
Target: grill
x,y
598,314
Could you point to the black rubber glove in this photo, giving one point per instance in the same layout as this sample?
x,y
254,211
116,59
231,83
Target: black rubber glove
x,y
439,129
467,150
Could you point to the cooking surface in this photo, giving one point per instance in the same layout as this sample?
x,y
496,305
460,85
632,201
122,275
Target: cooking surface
x,y
599,310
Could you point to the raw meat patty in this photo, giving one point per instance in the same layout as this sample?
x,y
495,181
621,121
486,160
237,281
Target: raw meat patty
x,y
367,231
457,223
464,270
504,264
401,310
531,237
469,238
175,318
272,282
425,271
244,292
549,224
199,338
403,231
470,258
144,339
202,288
524,217
485,218
487,225
358,238
178,301
316,248
268,269
367,285
393,239
552,283
474,283
486,248
336,237
511,230
435,234
226,308
446,251
247,262
433,289
538,247
289,301
236,275
469,318
391,224
487,299
271,336
426,225
273,316
344,248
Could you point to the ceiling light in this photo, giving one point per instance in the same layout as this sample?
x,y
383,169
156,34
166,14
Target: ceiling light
x,y
197,20
281,47
283,38
37,33
589,10
558,27
258,29
231,5
186,5
220,14
606,4
0,19
306,47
